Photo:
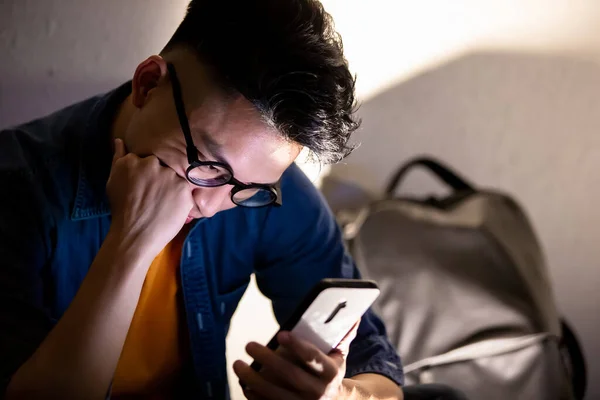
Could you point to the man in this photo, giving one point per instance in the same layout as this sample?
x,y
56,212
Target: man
x,y
131,222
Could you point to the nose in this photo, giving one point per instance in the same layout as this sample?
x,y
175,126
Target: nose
x,y
212,200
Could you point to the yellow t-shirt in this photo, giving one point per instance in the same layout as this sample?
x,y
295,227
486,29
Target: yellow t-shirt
x,y
157,345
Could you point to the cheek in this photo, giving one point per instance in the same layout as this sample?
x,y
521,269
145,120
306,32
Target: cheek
x,y
146,136
149,130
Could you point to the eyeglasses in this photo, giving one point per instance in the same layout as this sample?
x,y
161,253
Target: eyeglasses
x,y
214,173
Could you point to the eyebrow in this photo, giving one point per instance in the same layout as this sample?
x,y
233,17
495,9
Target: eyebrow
x,y
214,148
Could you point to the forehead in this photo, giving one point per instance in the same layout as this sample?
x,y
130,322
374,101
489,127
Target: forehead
x,y
255,150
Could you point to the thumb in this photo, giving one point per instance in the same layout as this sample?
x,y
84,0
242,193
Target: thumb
x,y
119,150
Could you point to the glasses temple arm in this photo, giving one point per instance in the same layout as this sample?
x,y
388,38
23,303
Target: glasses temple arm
x,y
192,151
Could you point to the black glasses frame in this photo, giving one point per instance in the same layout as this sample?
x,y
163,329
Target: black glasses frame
x,y
192,152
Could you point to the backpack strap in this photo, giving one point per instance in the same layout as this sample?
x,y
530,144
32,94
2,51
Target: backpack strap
x,y
576,360
486,348
443,172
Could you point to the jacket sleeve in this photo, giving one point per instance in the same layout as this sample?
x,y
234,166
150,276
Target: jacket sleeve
x,y
302,244
24,250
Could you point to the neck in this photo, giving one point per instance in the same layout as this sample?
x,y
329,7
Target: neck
x,y
121,121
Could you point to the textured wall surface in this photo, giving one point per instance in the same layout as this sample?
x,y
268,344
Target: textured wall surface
x,y
57,52
478,83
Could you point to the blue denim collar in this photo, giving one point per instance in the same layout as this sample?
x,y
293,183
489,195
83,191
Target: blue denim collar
x,y
95,156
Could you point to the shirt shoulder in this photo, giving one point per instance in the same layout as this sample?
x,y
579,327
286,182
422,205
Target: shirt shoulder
x,y
32,145
303,221
301,198
45,152
302,207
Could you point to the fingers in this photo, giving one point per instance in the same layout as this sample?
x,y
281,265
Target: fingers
x,y
259,386
250,395
309,355
119,151
120,148
296,368
279,370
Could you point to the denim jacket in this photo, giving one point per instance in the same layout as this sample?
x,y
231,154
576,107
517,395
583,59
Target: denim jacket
x,y
54,216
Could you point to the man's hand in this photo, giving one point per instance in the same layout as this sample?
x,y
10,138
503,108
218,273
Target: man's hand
x,y
297,370
149,202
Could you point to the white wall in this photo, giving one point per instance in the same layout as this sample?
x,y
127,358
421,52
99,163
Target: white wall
x,y
505,90
57,52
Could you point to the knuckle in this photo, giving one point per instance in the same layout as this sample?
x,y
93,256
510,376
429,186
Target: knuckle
x,y
314,355
329,369
152,161
127,160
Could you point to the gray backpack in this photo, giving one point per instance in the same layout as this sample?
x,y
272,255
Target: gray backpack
x,y
465,294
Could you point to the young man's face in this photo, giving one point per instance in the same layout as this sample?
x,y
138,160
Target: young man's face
x,y
224,128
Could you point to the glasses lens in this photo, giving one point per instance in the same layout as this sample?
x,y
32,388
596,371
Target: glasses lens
x,y
209,175
254,197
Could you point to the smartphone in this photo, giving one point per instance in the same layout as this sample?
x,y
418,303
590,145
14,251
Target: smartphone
x,y
328,312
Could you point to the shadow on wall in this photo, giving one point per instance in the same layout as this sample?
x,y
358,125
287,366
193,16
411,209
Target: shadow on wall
x,y
519,113
528,124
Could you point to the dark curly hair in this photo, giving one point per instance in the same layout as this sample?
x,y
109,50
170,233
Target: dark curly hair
x,y
285,57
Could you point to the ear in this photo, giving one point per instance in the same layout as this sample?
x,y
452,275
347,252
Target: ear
x,y
147,76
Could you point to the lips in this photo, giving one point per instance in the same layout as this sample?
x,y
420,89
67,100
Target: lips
x,y
191,217
194,214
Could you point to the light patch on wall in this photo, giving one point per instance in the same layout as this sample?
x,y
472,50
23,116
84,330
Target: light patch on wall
x,y
387,42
